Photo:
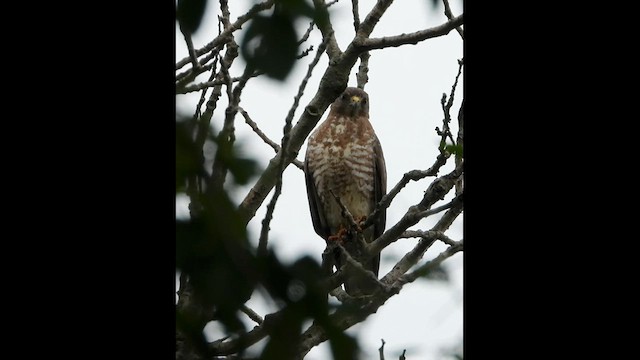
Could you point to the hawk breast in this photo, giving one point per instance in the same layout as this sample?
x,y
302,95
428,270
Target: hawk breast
x,y
341,159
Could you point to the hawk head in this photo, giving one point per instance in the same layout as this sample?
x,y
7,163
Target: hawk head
x,y
353,102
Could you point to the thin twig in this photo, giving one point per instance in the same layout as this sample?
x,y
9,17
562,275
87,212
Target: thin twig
x,y
223,37
192,52
211,83
356,14
422,270
413,175
358,266
264,137
402,355
449,15
428,234
438,188
429,212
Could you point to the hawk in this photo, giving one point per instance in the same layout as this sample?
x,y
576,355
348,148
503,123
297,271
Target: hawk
x,y
344,159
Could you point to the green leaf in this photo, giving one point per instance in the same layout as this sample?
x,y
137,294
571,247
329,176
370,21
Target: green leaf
x,y
454,149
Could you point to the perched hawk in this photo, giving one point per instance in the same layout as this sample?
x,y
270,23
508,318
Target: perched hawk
x,y
344,156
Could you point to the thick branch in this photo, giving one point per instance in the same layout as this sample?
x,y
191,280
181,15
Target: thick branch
x,y
412,38
328,35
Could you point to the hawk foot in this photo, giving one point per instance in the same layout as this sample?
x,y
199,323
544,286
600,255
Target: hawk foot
x,y
339,236
360,221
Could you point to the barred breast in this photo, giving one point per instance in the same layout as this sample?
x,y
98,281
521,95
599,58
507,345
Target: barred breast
x,y
344,164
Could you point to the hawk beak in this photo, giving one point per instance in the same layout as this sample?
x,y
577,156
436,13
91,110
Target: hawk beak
x,y
355,99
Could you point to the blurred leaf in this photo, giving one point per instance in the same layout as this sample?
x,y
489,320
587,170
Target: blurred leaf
x,y
437,273
295,8
191,327
187,156
242,169
270,44
283,340
343,346
189,14
221,272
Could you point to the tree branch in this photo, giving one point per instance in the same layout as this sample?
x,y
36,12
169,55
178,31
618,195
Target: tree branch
x,y
430,265
264,137
412,38
328,35
211,83
438,188
381,350
223,38
414,175
264,232
332,84
252,314
449,15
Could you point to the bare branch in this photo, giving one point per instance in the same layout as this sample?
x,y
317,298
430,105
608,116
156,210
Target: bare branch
x,y
414,175
412,38
381,350
223,38
251,314
430,265
211,83
358,267
264,232
449,15
371,20
356,14
438,188
328,36
264,137
192,52
344,211
428,234
402,357
429,212
394,278
226,136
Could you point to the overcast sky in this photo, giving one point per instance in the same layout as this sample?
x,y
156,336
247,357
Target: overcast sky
x,y
405,87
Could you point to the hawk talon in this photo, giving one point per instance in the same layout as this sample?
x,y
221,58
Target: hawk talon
x,y
359,222
338,237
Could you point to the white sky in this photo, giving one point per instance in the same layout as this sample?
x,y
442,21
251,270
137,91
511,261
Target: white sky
x,y
405,86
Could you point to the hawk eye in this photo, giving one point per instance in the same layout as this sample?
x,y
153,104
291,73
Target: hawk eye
x,y
345,96
364,100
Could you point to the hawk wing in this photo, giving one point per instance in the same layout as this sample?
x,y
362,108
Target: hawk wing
x,y
379,190
317,213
